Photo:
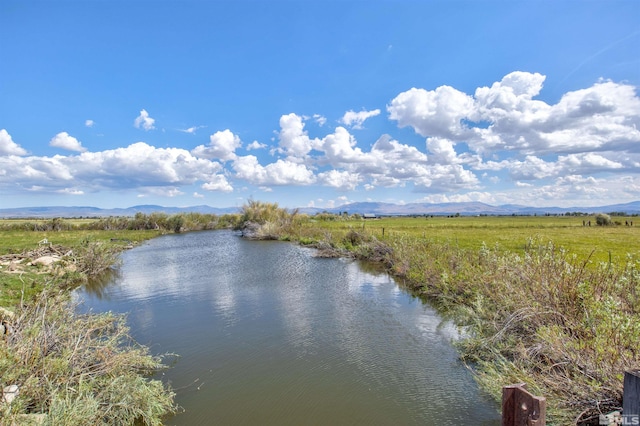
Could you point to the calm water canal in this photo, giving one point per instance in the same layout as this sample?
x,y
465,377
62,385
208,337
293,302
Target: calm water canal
x,y
268,334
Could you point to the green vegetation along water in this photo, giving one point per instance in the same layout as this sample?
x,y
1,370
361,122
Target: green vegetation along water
x,y
549,301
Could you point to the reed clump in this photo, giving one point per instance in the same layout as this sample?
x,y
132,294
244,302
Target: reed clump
x,y
267,221
78,369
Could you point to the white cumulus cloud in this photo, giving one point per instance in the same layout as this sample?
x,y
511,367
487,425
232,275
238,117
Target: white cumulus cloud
x,y
435,113
222,146
143,121
294,140
282,172
218,183
8,146
255,145
65,141
137,166
339,179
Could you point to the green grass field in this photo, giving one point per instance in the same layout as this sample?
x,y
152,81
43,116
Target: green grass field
x,y
14,240
510,233
29,280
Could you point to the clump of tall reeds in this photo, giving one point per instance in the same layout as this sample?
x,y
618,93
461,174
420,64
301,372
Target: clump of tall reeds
x,y
267,221
78,369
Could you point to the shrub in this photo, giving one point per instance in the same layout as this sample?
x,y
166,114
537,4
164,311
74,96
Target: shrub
x,y
603,219
79,369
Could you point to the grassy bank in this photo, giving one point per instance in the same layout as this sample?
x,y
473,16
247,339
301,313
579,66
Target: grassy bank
x,y
547,301
70,368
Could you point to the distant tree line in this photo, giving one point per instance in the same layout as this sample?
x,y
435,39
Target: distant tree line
x,y
180,222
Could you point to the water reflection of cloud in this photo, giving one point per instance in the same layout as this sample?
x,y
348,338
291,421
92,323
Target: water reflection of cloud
x,y
371,282
296,298
222,296
143,316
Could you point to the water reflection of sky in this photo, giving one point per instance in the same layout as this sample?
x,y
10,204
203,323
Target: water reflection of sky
x,y
239,310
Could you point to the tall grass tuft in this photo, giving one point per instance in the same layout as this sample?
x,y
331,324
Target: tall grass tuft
x,y
267,221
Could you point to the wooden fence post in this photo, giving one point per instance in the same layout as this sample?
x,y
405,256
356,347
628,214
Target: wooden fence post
x,y
631,397
520,408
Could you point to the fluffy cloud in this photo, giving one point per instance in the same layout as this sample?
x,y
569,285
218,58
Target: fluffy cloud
x,y
472,196
218,183
441,150
143,121
390,150
294,140
65,141
532,149
89,123
445,177
136,166
222,145
435,113
340,148
587,162
510,98
389,163
533,167
356,119
506,117
143,165
587,132
8,146
255,145
282,172
340,179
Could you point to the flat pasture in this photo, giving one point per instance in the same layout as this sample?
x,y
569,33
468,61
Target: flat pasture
x,y
510,233
17,235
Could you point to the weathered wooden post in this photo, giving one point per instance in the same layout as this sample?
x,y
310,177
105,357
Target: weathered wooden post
x,y
631,397
520,408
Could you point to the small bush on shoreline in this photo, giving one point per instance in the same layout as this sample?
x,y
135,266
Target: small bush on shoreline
x,y
79,369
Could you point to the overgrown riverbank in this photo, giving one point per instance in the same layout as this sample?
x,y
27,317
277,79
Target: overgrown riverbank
x,y
566,326
56,366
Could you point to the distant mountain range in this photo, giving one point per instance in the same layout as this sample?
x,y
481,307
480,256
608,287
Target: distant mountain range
x,y
84,211
472,208
379,209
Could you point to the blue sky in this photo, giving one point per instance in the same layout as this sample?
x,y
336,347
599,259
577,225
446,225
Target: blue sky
x,y
319,103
